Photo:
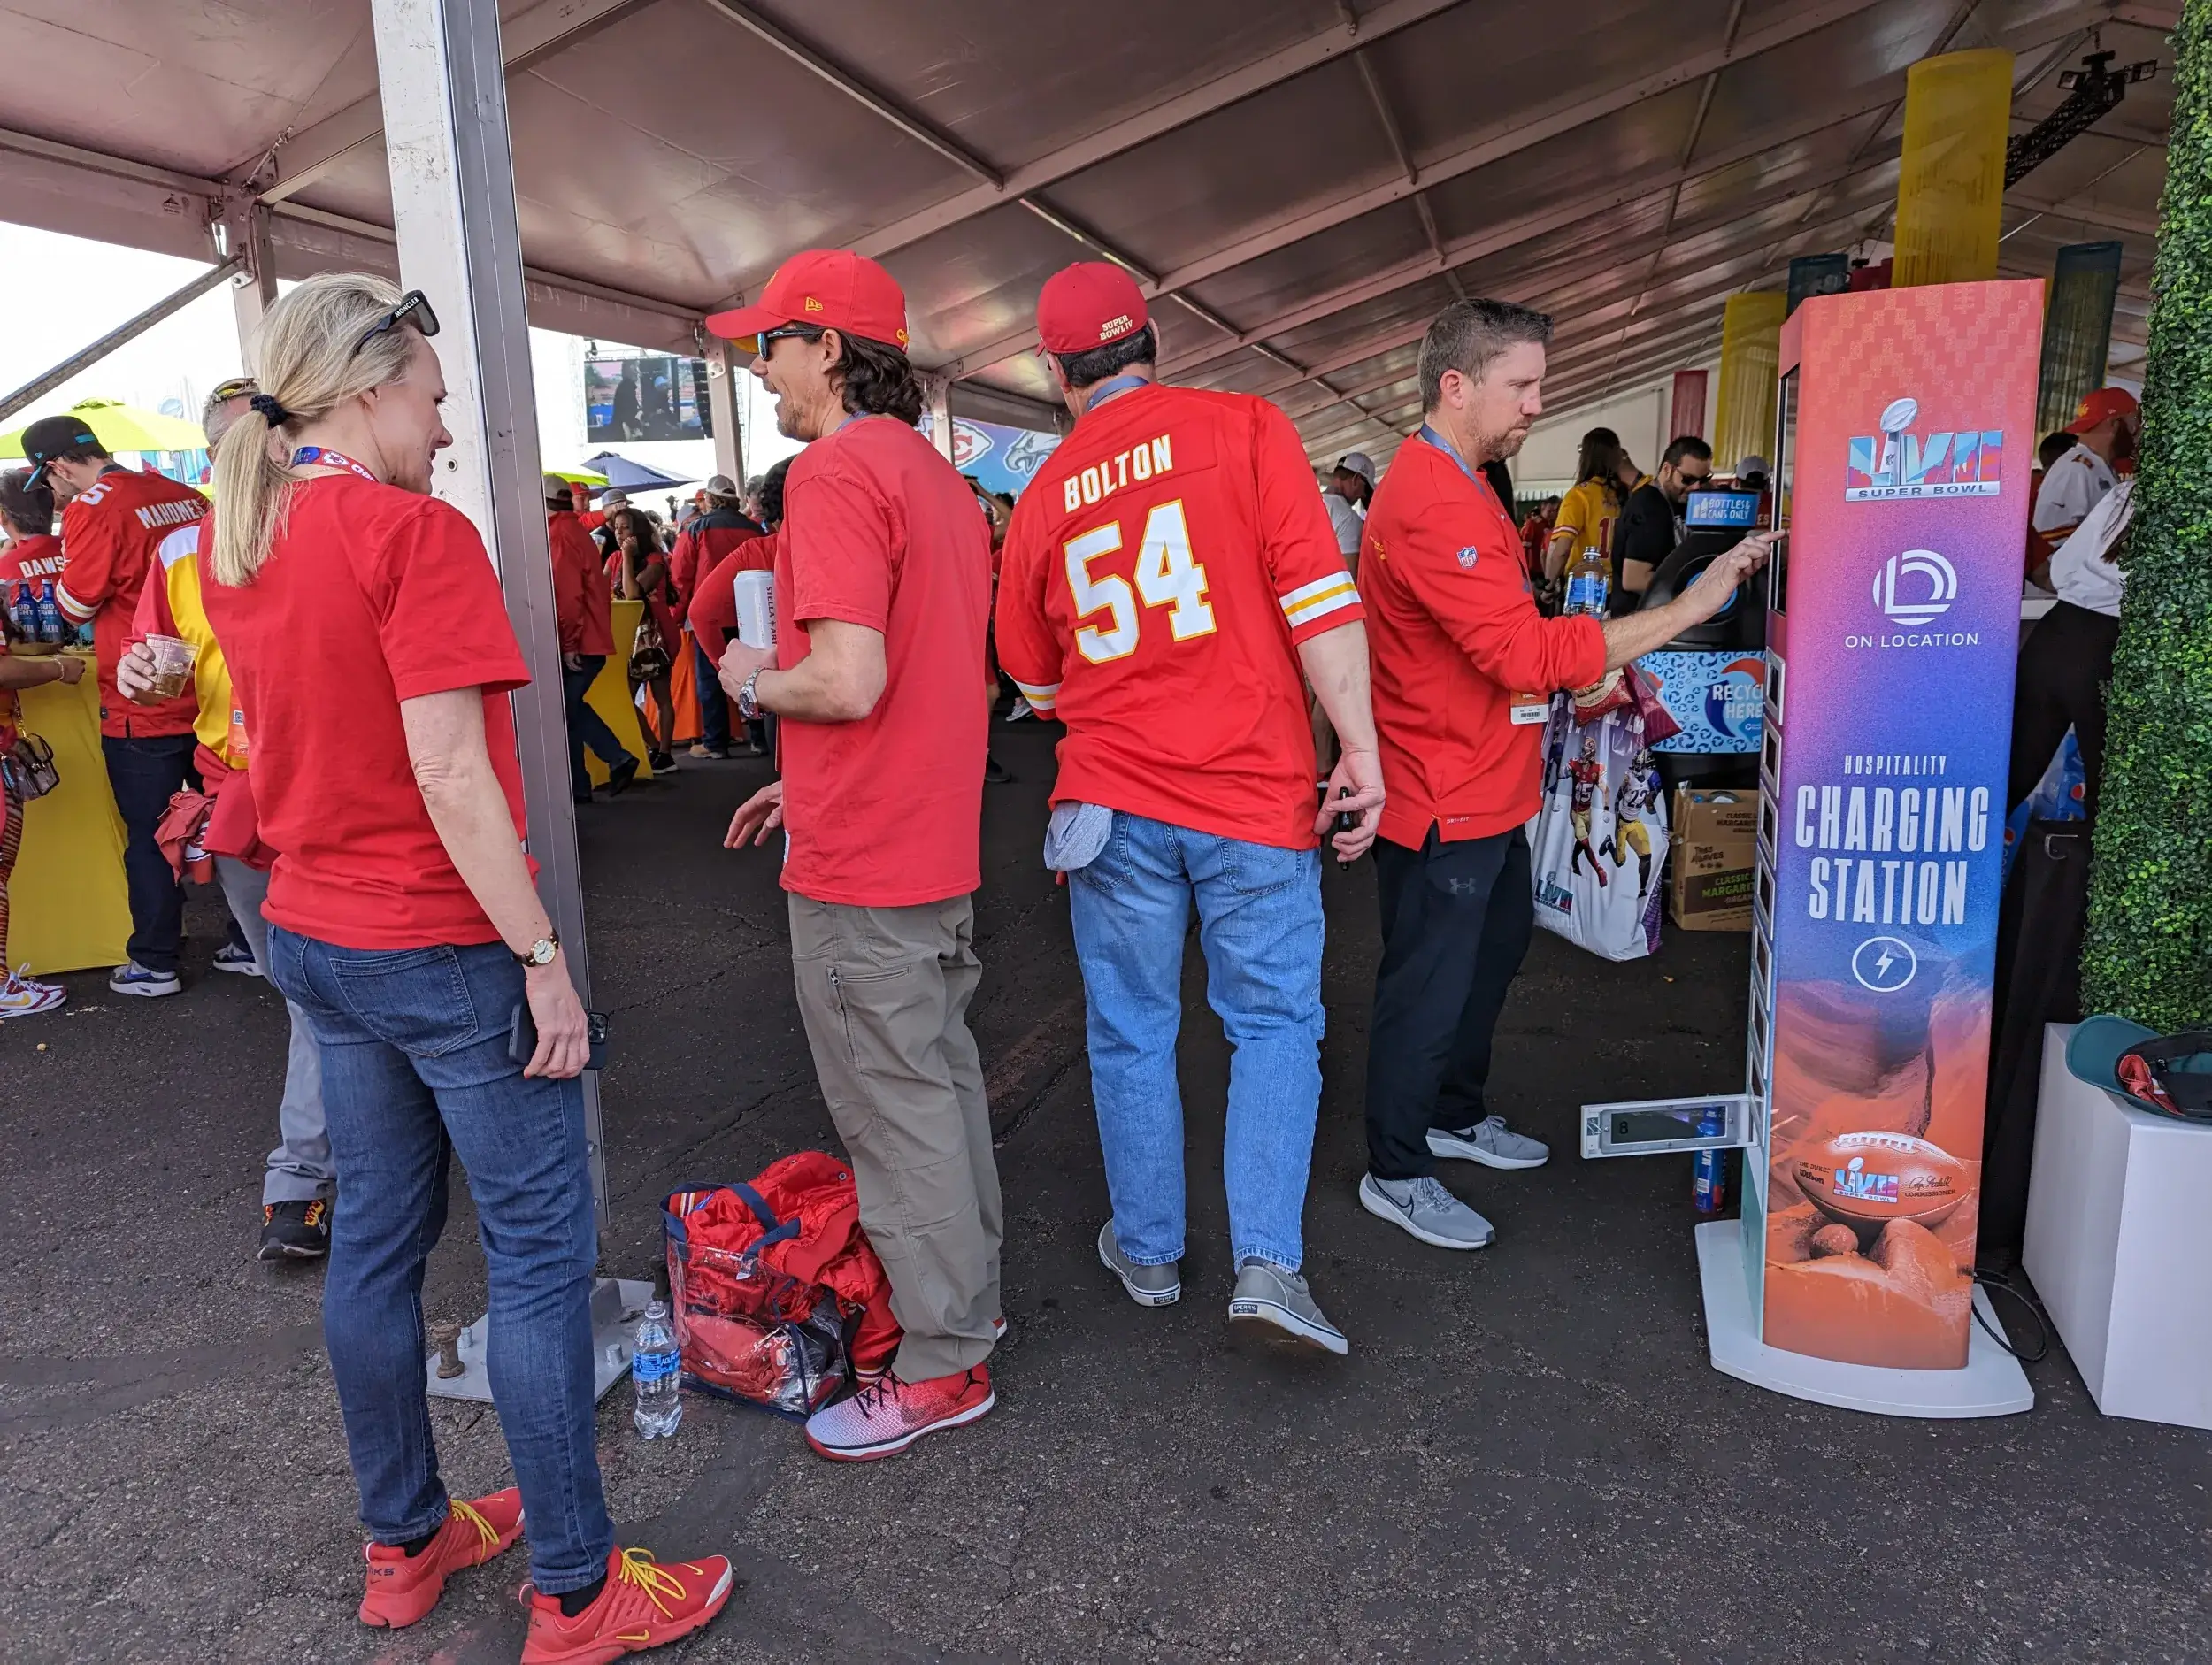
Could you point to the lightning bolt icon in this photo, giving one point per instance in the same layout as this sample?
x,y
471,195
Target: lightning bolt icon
x,y
1882,965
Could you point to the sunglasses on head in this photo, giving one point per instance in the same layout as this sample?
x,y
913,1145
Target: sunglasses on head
x,y
413,308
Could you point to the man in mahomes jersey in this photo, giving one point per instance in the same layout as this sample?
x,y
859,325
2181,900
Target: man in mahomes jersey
x,y
1171,584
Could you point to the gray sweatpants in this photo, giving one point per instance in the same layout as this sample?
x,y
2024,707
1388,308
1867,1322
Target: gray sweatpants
x,y
884,993
299,1168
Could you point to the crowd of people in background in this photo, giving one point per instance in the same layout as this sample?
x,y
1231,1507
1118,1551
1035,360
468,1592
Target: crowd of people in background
x,y
1250,672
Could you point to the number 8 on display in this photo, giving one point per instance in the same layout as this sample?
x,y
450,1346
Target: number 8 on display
x,y
1167,577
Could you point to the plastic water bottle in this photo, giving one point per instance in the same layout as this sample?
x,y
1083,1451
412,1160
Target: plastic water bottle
x,y
655,1366
50,627
1589,581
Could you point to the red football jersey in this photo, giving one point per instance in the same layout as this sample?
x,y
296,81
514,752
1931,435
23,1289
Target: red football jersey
x,y
1159,572
111,531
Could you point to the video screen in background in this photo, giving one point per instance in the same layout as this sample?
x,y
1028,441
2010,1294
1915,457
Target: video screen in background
x,y
654,398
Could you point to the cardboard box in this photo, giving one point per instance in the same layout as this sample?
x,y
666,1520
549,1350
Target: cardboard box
x,y
1713,854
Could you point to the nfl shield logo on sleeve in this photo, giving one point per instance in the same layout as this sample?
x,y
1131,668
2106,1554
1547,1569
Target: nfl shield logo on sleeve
x,y
1467,556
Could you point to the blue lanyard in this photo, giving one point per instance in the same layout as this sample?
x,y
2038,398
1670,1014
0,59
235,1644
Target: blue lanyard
x,y
1447,447
1112,389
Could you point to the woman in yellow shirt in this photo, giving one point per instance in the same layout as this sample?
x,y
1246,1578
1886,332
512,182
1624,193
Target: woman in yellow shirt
x,y
1588,511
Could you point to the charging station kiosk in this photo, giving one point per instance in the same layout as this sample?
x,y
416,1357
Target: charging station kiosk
x,y
1906,429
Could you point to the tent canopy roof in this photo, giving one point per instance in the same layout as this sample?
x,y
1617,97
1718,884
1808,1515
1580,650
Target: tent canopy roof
x,y
1301,186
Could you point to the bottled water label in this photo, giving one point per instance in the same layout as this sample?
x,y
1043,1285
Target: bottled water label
x,y
653,1367
1586,593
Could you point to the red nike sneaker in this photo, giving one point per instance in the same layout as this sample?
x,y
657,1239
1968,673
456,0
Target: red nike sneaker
x,y
644,1604
888,1416
403,1587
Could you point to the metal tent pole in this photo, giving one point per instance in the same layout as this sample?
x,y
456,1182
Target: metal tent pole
x,y
724,398
39,387
444,94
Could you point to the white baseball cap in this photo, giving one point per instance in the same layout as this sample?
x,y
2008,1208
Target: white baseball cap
x,y
1357,462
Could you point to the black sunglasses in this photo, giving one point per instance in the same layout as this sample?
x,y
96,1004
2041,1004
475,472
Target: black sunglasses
x,y
768,337
413,308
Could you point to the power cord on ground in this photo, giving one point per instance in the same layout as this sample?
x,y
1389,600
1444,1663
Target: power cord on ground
x,y
1998,1283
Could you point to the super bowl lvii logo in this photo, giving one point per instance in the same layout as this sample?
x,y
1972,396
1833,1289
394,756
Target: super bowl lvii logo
x,y
1900,464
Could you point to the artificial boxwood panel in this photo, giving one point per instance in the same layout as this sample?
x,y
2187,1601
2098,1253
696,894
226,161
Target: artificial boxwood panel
x,y
2148,951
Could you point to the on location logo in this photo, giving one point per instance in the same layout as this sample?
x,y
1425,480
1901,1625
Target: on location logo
x,y
1915,587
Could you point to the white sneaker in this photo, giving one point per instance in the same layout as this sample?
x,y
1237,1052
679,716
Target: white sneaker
x,y
133,978
1022,708
1424,1209
1490,1142
23,996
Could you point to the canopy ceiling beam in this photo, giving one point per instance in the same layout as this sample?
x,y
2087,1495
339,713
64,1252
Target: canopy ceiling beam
x,y
170,304
297,160
1144,126
76,155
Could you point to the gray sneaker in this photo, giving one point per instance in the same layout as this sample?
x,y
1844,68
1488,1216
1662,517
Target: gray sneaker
x,y
1490,1142
1148,1285
1426,1210
1266,1295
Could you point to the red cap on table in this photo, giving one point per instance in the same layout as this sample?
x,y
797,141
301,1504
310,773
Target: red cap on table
x,y
1089,304
830,289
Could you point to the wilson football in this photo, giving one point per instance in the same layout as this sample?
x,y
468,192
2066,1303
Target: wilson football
x,y
1872,1178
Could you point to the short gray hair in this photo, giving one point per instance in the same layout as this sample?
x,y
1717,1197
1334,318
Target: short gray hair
x,y
216,415
1469,335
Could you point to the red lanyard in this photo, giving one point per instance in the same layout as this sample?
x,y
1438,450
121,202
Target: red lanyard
x,y
322,456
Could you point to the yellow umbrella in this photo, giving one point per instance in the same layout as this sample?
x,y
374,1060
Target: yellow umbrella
x,y
579,477
123,428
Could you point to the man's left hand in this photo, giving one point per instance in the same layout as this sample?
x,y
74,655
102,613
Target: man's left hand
x,y
740,662
1361,771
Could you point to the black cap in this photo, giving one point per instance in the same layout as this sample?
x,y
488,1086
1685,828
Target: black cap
x,y
54,436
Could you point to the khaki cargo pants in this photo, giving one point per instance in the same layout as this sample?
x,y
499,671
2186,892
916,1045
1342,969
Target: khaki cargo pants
x,y
884,993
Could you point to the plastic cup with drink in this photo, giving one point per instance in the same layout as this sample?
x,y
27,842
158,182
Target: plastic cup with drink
x,y
173,664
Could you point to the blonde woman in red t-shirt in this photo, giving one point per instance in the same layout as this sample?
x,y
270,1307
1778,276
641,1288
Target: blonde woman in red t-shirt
x,y
366,633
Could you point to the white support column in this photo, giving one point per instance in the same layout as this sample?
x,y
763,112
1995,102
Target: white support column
x,y
443,88
725,397
939,392
243,230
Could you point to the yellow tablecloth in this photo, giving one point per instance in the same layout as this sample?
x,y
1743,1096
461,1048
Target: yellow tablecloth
x,y
612,698
69,907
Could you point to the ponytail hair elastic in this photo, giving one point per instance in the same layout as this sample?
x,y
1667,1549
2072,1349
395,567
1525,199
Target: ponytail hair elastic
x,y
275,414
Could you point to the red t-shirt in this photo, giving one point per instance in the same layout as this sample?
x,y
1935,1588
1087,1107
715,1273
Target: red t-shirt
x,y
713,615
112,529
1453,636
703,544
32,559
881,530
582,604
1160,571
370,597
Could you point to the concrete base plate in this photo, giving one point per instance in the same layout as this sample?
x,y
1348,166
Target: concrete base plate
x,y
1991,1385
616,1305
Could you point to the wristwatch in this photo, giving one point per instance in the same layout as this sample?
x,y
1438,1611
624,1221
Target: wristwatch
x,y
541,952
749,707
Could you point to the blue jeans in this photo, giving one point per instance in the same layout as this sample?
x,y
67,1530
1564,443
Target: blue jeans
x,y
714,711
1259,922
587,727
416,1070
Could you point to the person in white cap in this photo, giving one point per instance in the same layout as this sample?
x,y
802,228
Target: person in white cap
x,y
1346,496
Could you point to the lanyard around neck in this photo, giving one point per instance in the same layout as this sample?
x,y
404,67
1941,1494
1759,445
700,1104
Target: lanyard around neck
x,y
1112,389
323,456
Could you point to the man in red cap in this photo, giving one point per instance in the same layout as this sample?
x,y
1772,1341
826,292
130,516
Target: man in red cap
x,y
1170,582
883,584
2104,429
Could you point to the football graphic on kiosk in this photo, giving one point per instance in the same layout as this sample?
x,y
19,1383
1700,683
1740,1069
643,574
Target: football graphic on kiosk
x,y
1869,1180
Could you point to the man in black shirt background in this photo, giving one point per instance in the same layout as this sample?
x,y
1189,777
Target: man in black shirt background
x,y
1651,520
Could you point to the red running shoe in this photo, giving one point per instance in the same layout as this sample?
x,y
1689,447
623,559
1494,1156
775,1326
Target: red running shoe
x,y
644,1604
403,1587
887,1416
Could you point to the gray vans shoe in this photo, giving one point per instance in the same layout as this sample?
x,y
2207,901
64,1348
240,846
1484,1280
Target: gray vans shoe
x,y
1148,1285
1490,1142
1266,1295
1426,1210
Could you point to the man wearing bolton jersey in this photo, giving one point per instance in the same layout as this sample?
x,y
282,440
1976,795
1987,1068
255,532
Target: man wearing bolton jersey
x,y
113,517
1168,576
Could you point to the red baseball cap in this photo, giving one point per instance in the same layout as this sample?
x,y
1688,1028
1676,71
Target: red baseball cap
x,y
2102,406
830,289
1091,304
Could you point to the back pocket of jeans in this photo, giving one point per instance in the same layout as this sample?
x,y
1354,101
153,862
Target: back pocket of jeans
x,y
415,999
1256,869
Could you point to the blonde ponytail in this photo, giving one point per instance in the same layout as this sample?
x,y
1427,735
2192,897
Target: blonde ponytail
x,y
310,359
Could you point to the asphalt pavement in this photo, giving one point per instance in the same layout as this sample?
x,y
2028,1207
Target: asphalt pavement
x,y
1526,1456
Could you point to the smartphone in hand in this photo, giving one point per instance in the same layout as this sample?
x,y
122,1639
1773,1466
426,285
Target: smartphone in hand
x,y
522,1037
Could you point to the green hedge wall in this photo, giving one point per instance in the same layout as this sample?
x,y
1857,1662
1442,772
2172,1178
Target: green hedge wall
x,y
2148,953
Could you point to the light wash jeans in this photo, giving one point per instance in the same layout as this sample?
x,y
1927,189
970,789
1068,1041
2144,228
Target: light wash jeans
x,y
1259,923
299,1167
415,1073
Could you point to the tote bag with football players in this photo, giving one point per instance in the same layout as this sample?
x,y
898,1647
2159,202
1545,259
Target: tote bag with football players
x,y
1599,843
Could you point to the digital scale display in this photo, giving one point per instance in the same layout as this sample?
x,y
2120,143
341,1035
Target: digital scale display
x,y
1645,1127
